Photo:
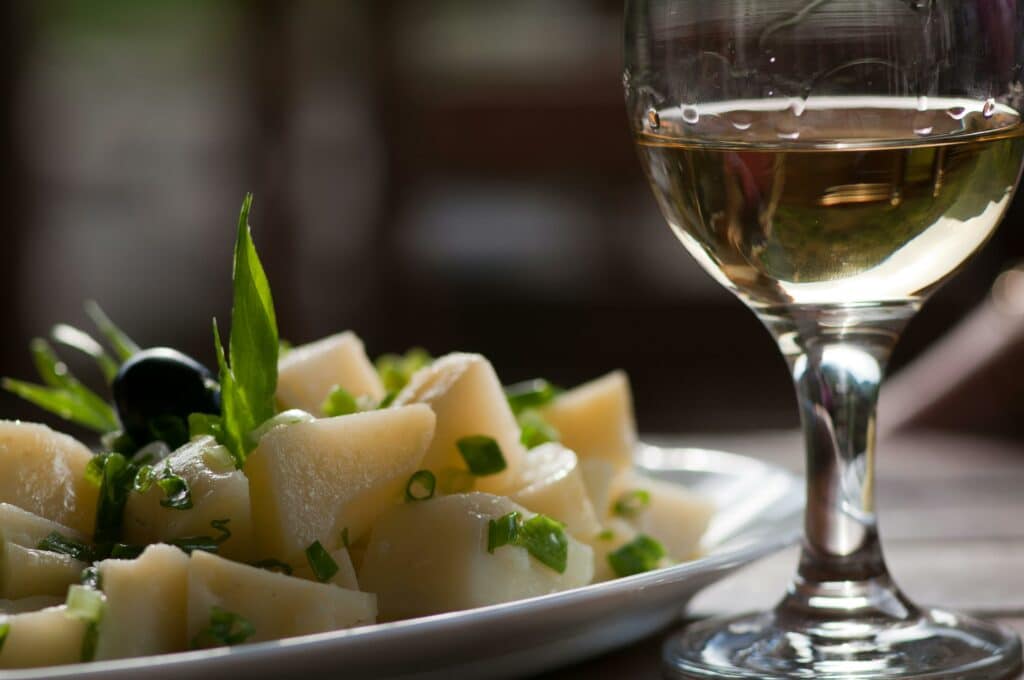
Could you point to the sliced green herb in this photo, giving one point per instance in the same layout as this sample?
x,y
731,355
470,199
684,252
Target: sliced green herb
x,y
72,337
90,638
530,394
320,561
395,370
271,564
123,346
502,531
118,478
534,430
641,554
200,424
632,503
225,628
221,525
339,402
177,494
545,539
126,551
144,479
58,543
420,486
90,578
606,535
482,455
5,628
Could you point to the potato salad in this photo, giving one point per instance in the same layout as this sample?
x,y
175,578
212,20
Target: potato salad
x,y
298,490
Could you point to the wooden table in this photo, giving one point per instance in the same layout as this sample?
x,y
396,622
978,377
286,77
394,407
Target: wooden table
x,y
951,512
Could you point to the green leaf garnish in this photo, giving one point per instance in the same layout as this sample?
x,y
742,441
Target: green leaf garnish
x,y
271,564
545,539
91,578
530,394
482,455
200,424
632,503
320,561
249,376
77,339
534,430
5,628
226,628
177,494
123,346
59,543
421,486
396,369
641,554
502,531
339,402
292,416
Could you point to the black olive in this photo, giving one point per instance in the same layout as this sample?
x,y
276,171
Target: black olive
x,y
157,389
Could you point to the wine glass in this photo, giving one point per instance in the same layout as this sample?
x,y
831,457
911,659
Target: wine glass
x,y
832,162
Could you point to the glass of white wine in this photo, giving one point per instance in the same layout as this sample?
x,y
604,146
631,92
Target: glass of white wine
x,y
832,162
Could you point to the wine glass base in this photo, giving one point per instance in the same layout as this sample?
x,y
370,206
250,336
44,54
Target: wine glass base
x,y
937,644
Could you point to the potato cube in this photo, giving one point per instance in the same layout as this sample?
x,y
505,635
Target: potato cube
x,y
43,471
431,556
467,397
306,374
312,481
276,605
25,572
47,637
553,485
673,515
146,604
219,491
596,419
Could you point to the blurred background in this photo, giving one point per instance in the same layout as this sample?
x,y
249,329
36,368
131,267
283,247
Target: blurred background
x,y
450,174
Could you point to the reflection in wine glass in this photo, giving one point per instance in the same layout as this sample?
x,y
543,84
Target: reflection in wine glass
x,y
832,163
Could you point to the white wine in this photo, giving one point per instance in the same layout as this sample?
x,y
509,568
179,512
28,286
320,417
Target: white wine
x,y
844,201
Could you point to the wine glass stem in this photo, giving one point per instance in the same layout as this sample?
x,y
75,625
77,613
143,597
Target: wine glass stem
x,y
837,358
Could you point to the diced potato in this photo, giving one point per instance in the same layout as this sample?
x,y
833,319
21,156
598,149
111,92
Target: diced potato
x,y
467,397
675,516
47,637
346,576
26,571
616,533
146,604
43,471
600,478
306,374
596,419
431,556
275,604
26,529
552,485
311,481
219,491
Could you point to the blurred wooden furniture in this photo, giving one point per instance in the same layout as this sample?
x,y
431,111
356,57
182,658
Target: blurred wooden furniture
x,y
950,509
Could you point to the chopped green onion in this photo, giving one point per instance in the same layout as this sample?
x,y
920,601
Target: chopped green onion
x,y
118,479
545,539
420,486
221,525
192,543
606,535
631,503
123,346
69,336
58,543
177,495
339,402
226,628
91,578
90,638
5,628
344,537
94,471
530,394
482,455
83,603
144,479
534,430
200,424
502,531
126,551
320,561
641,554
395,370
273,565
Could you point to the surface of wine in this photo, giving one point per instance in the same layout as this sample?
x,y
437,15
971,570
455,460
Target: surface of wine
x,y
843,201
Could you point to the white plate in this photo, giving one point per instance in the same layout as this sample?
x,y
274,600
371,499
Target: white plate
x,y
759,513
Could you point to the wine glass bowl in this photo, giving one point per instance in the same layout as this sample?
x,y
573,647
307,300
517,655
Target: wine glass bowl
x,y
832,162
